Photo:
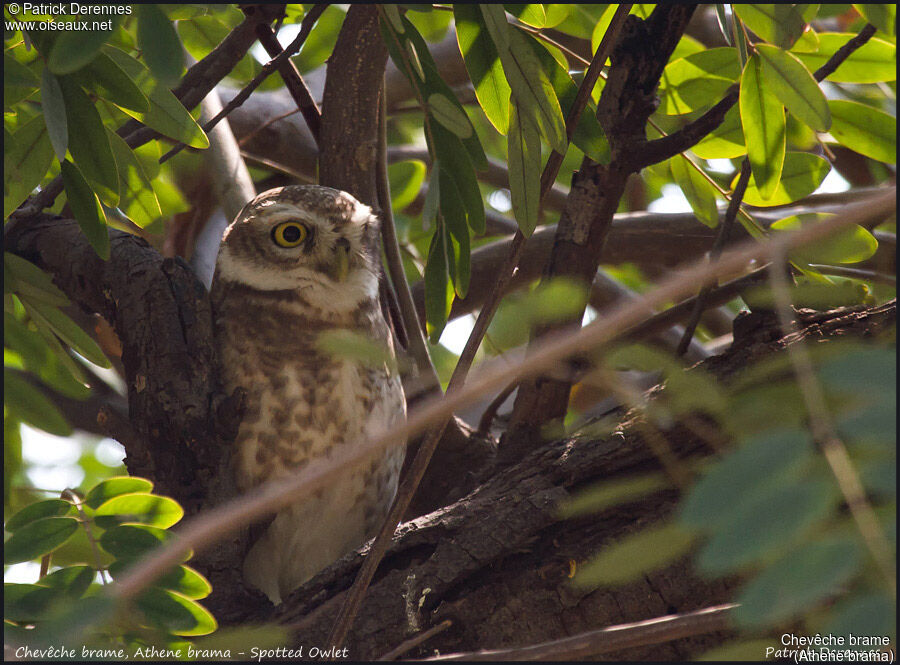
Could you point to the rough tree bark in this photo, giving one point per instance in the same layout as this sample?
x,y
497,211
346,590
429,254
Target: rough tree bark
x,y
497,561
626,103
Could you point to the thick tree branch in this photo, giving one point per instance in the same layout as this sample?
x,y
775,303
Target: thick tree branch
x,y
627,101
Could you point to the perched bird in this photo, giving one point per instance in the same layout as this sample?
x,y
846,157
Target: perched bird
x,y
298,261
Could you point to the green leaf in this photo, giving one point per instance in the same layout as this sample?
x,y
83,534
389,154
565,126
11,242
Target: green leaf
x,y
167,115
159,42
175,613
449,115
116,486
86,208
73,581
73,49
633,556
588,135
54,107
27,403
454,216
601,24
41,359
26,278
201,34
453,156
850,245
38,510
865,613
88,143
524,157
406,179
698,80
529,83
701,195
28,602
438,290
68,331
17,75
183,579
482,62
724,142
139,202
765,524
532,15
25,162
762,118
37,538
129,541
613,493
882,16
873,62
141,508
797,582
794,86
863,370
802,174
865,130
779,24
762,462
746,650
111,82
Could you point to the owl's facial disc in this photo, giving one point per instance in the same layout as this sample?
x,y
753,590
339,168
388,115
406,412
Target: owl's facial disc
x,y
313,240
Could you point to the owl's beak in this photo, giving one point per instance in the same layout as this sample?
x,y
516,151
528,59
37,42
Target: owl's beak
x,y
340,265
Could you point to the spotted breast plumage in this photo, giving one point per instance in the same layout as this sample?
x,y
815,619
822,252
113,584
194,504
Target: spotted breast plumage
x,y
298,261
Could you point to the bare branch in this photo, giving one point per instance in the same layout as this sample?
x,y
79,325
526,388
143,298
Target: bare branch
x,y
614,638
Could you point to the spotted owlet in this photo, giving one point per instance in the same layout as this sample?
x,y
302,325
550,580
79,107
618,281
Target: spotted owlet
x,y
295,262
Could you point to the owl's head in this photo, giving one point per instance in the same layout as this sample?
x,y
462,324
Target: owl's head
x,y
318,241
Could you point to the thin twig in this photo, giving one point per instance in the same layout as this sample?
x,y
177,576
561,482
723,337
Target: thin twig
x,y
71,495
721,239
613,638
416,339
266,71
825,434
416,472
855,273
416,640
290,74
204,530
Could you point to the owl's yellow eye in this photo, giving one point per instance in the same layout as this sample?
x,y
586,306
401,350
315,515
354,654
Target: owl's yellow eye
x,y
289,234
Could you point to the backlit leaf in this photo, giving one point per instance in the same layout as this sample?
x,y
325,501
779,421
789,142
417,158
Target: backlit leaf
x,y
699,192
794,86
26,160
850,245
483,65
762,118
779,24
73,49
140,507
802,174
865,130
175,613
107,489
873,62
524,158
